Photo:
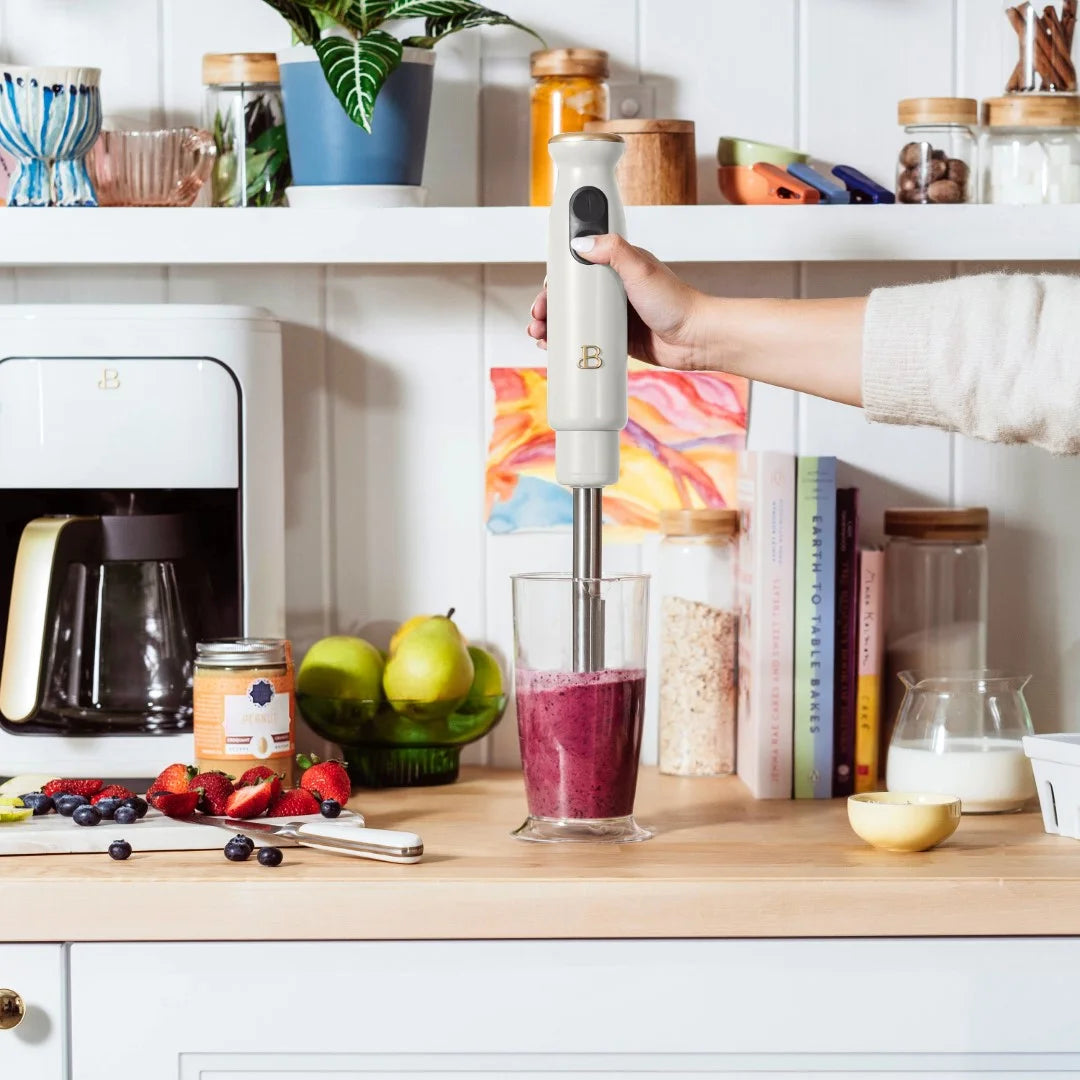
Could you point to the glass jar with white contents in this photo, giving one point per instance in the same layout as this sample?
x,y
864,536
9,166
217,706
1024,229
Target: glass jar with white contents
x,y
1031,149
699,625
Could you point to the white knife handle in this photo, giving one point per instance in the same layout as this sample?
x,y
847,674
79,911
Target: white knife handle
x,y
390,845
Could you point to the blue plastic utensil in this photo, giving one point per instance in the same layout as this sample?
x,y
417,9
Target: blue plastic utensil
x,y
832,194
861,187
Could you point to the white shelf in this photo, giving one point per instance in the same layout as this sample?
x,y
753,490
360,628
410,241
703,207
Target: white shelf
x,y
513,234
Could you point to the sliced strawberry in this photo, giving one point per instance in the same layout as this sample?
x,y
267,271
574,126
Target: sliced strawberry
x,y
249,801
172,804
214,789
295,802
72,787
257,775
326,779
113,791
175,779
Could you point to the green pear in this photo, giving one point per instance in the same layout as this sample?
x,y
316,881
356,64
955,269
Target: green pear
x,y
487,676
430,671
342,667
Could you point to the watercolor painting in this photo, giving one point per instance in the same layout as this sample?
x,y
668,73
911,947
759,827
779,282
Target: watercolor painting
x,y
678,450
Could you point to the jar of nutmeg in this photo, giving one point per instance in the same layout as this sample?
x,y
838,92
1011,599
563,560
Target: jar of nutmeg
x,y
937,163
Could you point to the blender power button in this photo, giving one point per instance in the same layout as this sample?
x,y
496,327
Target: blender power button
x,y
588,216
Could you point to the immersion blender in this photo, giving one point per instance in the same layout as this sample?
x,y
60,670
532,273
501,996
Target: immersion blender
x,y
587,378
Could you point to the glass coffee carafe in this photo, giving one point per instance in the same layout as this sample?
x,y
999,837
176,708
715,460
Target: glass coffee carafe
x,y
101,631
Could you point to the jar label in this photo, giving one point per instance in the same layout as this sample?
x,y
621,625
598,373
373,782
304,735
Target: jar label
x,y
243,715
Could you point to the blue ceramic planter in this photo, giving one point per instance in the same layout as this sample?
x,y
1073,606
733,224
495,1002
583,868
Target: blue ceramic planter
x,y
327,148
49,119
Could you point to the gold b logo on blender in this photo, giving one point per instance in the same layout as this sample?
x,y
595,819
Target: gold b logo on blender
x,y
591,357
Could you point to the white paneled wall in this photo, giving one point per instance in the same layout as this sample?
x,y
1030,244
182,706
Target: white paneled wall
x,y
386,369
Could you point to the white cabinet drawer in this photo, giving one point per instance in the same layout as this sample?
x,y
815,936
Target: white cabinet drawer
x,y
642,1009
35,1048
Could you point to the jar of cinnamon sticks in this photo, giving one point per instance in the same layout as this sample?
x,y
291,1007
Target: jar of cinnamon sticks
x,y
1045,40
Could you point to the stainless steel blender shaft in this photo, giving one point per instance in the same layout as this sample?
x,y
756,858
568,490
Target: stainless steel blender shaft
x,y
588,603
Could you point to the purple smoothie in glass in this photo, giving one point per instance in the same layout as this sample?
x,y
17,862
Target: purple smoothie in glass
x,y
580,740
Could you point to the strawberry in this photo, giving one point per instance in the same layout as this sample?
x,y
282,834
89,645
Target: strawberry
x,y
294,802
175,779
325,779
173,804
249,801
259,773
214,789
113,791
71,787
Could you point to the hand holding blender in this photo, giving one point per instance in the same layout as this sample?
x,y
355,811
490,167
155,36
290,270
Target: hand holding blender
x,y
580,637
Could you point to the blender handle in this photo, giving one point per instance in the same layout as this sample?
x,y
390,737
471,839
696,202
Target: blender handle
x,y
46,547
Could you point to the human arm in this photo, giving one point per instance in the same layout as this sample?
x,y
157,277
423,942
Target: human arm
x,y
996,356
808,345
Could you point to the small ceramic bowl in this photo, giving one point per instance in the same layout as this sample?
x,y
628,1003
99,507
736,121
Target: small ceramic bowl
x,y
732,150
903,821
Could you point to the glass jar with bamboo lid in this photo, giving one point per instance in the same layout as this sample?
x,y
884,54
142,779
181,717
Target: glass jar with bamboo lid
x,y
1031,149
937,161
699,625
937,594
569,90
243,111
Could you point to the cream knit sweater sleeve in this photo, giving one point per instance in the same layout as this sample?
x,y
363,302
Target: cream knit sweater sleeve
x,y
996,357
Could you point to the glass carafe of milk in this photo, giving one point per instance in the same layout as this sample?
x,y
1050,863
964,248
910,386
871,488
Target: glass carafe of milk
x,y
961,734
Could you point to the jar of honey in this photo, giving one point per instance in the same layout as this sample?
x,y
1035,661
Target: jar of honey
x,y
570,89
244,706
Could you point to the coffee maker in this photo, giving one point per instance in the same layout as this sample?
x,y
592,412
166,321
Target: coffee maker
x,y
141,510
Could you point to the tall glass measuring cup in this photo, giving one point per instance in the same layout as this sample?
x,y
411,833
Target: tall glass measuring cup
x,y
580,732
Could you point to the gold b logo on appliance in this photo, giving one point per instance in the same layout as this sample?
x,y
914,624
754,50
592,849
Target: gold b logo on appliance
x,y
591,357
110,379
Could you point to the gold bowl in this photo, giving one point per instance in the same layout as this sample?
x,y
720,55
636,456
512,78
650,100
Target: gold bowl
x,y
903,820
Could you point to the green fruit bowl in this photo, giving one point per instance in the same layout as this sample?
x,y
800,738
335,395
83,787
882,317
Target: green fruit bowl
x,y
401,743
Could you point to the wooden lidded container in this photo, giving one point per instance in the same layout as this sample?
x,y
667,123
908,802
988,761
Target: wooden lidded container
x,y
659,167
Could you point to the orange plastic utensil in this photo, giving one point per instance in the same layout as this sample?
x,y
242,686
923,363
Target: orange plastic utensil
x,y
764,185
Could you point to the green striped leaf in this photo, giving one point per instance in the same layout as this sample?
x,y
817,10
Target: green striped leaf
x,y
361,16
356,70
465,17
429,9
302,21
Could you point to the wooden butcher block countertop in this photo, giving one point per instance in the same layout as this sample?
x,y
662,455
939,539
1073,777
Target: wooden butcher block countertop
x,y
721,865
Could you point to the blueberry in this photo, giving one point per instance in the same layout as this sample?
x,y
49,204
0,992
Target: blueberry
x,y
119,849
329,808
270,856
40,804
68,804
236,851
86,815
137,803
240,838
107,807
125,815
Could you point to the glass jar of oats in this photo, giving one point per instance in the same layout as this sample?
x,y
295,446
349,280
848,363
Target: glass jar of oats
x,y
699,621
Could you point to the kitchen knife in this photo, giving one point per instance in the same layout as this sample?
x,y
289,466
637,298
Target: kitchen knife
x,y
342,838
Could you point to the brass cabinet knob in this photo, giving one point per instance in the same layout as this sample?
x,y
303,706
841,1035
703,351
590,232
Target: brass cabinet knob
x,y
12,1009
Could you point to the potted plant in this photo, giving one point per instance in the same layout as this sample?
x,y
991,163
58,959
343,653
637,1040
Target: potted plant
x,y
347,59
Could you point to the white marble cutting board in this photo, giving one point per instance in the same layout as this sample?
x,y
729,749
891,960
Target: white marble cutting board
x,y
52,834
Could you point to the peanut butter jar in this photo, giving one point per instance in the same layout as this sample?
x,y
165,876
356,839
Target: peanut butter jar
x,y
244,706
